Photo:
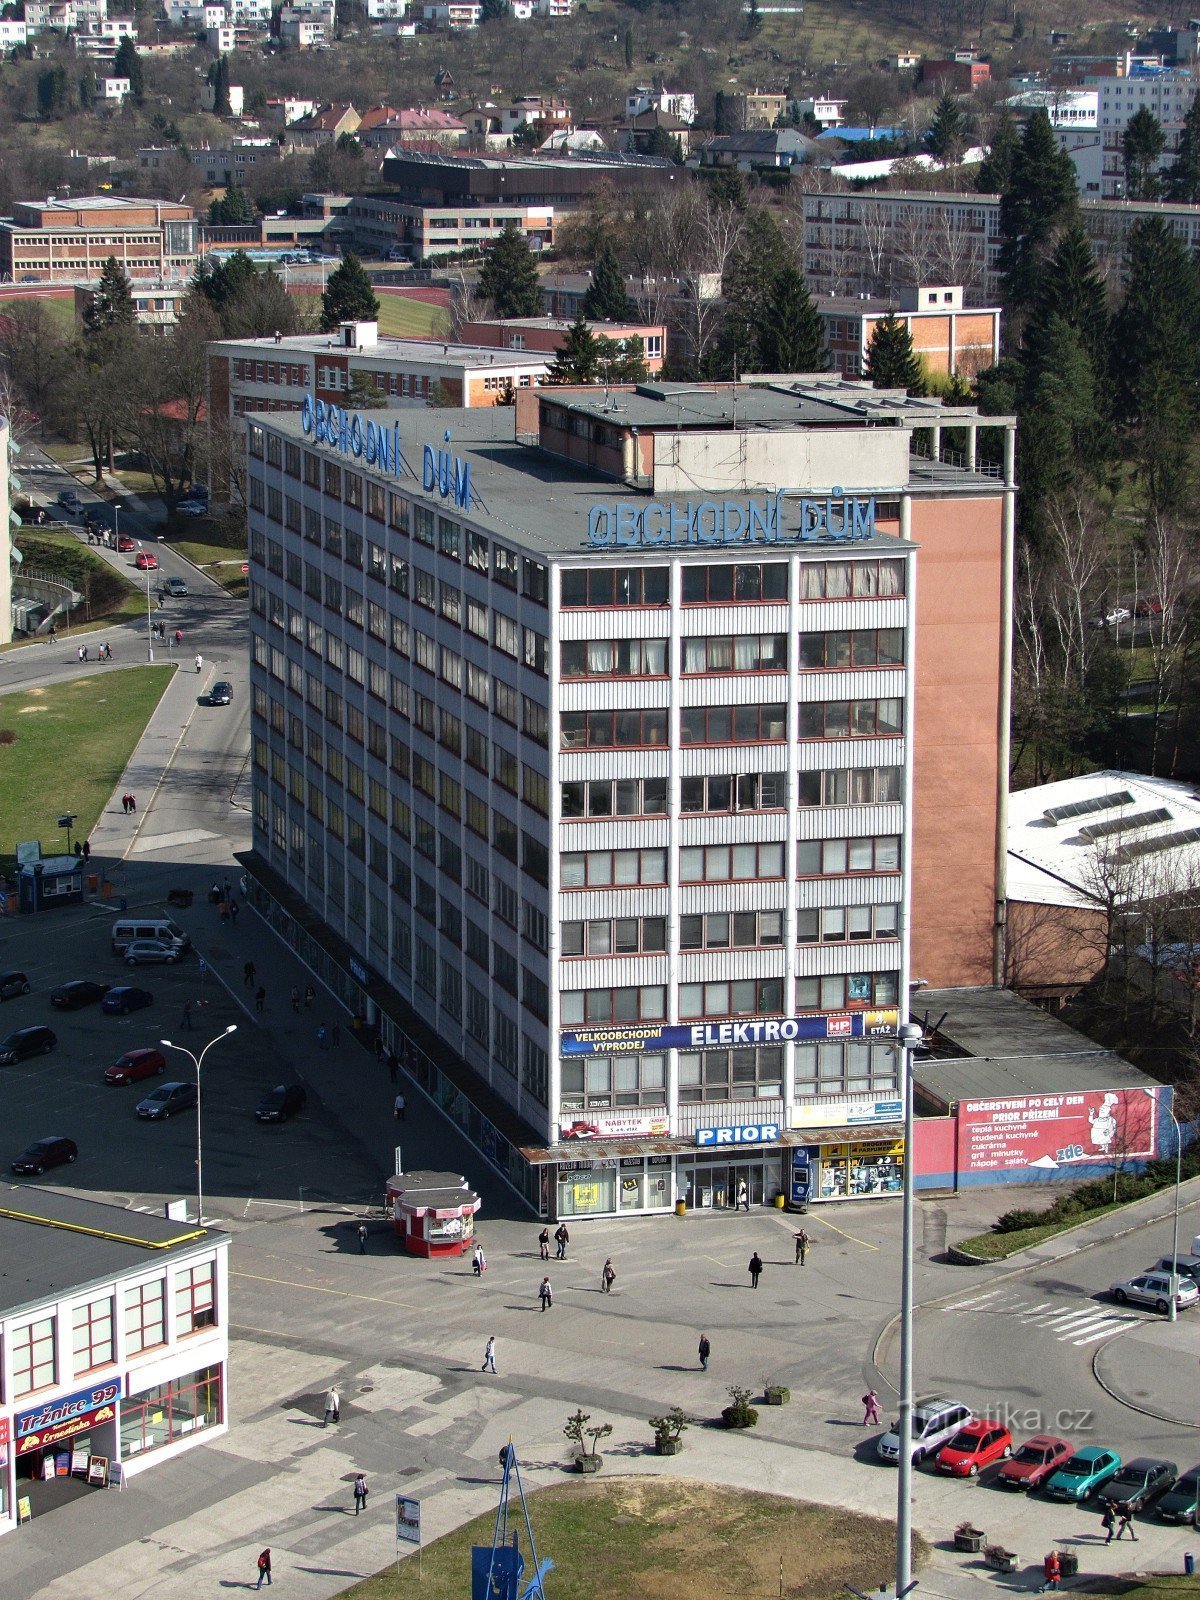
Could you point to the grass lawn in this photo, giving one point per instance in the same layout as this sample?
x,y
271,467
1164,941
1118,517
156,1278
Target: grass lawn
x,y
60,309
663,1539
997,1246
402,318
109,597
65,748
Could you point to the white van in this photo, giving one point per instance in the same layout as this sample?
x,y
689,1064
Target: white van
x,y
126,929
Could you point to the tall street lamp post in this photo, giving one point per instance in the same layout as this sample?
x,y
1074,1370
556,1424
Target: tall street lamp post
x,y
908,1036
198,1062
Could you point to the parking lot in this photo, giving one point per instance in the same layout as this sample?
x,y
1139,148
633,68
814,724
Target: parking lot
x,y
143,1162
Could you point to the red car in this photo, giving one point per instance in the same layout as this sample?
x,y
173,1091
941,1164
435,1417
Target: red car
x,y
125,544
1035,1461
976,1444
135,1064
144,561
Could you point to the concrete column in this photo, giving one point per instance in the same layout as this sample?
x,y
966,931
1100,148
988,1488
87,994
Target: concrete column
x,y
972,441
1010,457
935,442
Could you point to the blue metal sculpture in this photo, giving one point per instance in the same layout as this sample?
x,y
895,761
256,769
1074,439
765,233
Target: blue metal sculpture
x,y
497,1570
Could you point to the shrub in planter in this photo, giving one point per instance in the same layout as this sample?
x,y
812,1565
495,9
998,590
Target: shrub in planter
x,y
667,1432
775,1394
999,1558
1068,1563
587,1458
968,1537
740,1413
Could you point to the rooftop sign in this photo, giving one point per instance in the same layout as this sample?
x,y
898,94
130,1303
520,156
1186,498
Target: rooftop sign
x,y
377,444
723,522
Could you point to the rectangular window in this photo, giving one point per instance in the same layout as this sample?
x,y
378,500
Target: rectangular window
x,y
195,1304
616,586
145,1316
730,582
170,1411
34,1365
92,1335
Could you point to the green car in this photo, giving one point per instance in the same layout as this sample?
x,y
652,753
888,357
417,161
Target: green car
x,y
1082,1475
1179,1504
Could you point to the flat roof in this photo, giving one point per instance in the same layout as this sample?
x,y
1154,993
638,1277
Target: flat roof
x,y
540,502
1009,1047
1061,838
52,1244
432,350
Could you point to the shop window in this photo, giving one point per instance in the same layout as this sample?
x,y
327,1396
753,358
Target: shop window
x,y
92,1335
170,1411
33,1360
195,1304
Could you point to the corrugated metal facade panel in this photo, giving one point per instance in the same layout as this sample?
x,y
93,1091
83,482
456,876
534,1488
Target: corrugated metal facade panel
x,y
845,891
760,895
612,972
586,905
719,621
820,616
618,622
849,822
746,827
701,759
578,766
744,689
615,833
820,960
710,966
878,683
739,1113
613,694
813,755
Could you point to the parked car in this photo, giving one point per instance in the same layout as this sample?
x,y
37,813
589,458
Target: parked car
x,y
1086,1472
977,1445
283,1101
145,952
81,992
221,694
1117,614
177,587
125,544
1181,1502
135,1065
145,561
1037,1459
69,500
192,508
1138,1482
42,1153
166,1100
1185,1267
26,1042
935,1421
123,999
1154,1289
13,983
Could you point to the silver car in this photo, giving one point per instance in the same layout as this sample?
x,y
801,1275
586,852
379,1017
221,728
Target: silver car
x,y
1154,1289
147,952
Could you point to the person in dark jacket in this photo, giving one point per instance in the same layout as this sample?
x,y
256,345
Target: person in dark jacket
x,y
756,1267
705,1351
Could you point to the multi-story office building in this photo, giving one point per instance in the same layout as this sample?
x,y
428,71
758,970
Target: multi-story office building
x,y
600,771
69,241
1167,92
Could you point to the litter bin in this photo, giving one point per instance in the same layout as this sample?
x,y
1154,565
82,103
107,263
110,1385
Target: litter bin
x,y
93,882
1189,1564
681,1208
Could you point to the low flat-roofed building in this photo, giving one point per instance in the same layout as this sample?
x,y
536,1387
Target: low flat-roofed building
x,y
114,1342
69,240
548,335
947,337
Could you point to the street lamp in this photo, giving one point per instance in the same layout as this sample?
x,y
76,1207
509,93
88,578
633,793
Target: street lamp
x,y
908,1036
1174,1312
149,611
198,1062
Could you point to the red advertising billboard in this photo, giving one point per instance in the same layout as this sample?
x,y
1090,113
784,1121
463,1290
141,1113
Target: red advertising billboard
x,y
1046,1131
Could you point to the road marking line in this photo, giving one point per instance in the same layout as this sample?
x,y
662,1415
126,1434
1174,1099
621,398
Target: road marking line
x,y
1099,1331
317,1288
975,1300
853,1238
1034,1312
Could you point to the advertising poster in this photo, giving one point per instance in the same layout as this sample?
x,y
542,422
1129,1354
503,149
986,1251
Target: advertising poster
x,y
636,1037
1087,1128
631,1124
408,1520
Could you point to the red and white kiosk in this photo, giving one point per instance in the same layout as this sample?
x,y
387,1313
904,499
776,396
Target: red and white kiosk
x,y
433,1212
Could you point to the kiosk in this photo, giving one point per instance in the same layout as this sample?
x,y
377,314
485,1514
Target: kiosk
x,y
433,1212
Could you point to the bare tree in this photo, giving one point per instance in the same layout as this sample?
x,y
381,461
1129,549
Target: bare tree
x,y
1170,574
163,398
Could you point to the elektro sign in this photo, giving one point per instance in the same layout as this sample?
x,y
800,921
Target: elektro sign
x,y
633,1038
378,445
720,522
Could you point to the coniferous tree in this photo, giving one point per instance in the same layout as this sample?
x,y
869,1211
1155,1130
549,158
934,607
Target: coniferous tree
x,y
218,77
892,363
493,10
1071,288
1142,144
578,359
995,170
348,296
51,91
128,64
629,49
1064,432
1182,180
234,209
509,276
606,300
746,287
1038,203
111,304
622,360
790,335
947,132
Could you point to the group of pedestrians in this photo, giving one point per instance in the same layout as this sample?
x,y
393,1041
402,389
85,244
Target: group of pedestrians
x,y
129,804
103,653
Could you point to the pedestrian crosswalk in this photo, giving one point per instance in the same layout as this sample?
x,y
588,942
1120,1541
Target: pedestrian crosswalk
x,y
1070,1324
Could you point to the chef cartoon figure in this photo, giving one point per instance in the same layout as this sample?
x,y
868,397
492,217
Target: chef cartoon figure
x,y
1104,1124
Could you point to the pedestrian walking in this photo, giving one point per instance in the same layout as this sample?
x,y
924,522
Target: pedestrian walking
x,y
544,1244
743,1196
360,1494
362,1238
199,662
264,1568
248,975
234,908
295,999
133,804
489,1355
1125,1521
393,1066
223,910
801,1247
310,994
79,849
870,1408
705,1350
1051,1571
260,998
755,1269
322,1038
1108,1521
333,1406
178,635
608,1276
478,1261
187,1016
546,1294
125,804
87,849
52,638
562,1239
398,1108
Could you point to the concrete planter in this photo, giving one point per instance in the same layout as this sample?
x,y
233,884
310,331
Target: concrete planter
x,y
588,1463
667,1447
969,1539
777,1395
